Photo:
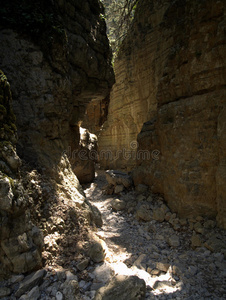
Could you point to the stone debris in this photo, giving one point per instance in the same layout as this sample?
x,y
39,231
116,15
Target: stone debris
x,y
30,281
118,189
143,213
117,182
132,258
82,264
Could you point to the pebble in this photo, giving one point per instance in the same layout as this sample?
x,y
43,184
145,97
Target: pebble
x,y
82,283
71,276
189,263
82,264
59,296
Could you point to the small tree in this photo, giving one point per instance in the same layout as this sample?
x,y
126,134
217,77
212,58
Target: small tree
x,y
119,16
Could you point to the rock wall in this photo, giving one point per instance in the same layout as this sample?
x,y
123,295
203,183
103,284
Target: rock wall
x,y
54,76
132,100
95,115
57,59
170,88
20,241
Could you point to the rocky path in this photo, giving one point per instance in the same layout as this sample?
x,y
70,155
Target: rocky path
x,y
157,250
171,258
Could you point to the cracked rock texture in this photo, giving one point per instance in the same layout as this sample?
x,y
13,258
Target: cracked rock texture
x,y
53,75
170,97
53,78
20,241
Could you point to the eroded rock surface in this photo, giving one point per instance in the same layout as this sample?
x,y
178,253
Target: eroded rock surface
x,y
20,241
57,59
55,77
170,89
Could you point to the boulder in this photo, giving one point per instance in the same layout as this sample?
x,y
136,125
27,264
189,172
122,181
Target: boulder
x,y
215,244
97,252
103,273
30,281
158,214
118,204
118,178
118,189
143,213
82,264
174,241
123,287
4,292
196,241
70,290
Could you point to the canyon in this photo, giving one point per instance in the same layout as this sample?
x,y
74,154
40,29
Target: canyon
x,y
155,118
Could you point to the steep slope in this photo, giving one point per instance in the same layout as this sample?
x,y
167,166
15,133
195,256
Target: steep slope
x,y
170,76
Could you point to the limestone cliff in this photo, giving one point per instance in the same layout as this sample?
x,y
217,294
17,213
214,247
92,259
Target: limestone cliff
x,y
170,82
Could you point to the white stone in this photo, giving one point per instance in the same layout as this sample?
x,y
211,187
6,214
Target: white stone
x,y
59,296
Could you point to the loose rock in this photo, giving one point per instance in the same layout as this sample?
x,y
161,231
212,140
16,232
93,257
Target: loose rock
x,y
174,241
96,252
29,282
118,204
123,288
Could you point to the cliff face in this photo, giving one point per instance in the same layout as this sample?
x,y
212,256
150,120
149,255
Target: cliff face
x,y
54,76
57,59
132,100
170,79
21,242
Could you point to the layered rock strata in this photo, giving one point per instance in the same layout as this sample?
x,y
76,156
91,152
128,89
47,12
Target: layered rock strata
x,y
170,88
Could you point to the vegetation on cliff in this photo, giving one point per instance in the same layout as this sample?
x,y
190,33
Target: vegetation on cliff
x,y
119,16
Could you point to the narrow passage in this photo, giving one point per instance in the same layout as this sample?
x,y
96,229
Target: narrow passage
x,y
154,250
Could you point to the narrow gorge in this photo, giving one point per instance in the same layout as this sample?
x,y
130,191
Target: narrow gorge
x,y
112,168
